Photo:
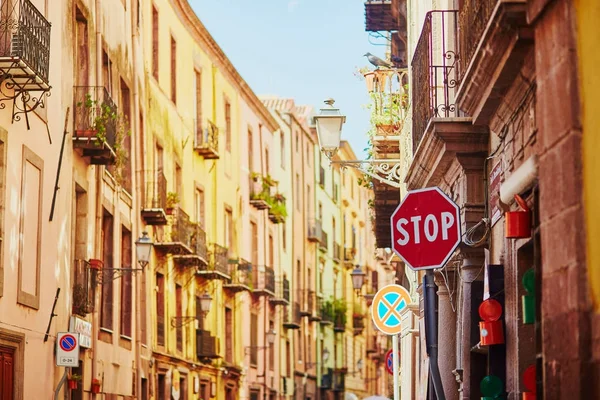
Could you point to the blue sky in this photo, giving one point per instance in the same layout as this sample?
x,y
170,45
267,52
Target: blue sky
x,y
305,49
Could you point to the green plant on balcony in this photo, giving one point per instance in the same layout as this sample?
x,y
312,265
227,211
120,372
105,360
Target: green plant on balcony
x,y
269,181
358,312
339,312
327,311
172,201
278,210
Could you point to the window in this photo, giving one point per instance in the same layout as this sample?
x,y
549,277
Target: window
x,y
107,72
254,242
283,236
297,142
126,284
253,339
173,70
250,150
271,251
229,335
298,199
199,201
178,180
288,359
155,45
282,149
198,122
267,165
227,126
82,54
159,159
126,109
106,306
160,309
229,228
271,348
179,314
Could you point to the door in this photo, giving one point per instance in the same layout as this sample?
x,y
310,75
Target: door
x,y
7,366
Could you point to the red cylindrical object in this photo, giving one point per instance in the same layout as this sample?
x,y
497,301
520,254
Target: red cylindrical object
x,y
528,396
72,384
95,388
518,223
491,332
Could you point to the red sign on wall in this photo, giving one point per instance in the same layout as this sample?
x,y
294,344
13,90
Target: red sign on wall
x,y
426,228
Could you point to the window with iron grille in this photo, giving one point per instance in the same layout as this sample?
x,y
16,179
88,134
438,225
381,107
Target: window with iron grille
x,y
253,339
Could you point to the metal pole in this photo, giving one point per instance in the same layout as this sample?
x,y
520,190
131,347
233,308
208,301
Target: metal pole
x,y
396,367
432,333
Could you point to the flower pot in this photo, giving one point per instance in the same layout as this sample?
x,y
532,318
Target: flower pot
x,y
86,133
387,129
72,384
518,223
370,80
95,264
96,387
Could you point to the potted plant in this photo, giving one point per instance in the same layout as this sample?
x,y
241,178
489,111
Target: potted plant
x,y
80,300
96,386
172,201
72,381
268,180
254,176
278,212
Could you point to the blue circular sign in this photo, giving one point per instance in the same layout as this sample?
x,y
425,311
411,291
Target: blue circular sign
x,y
68,343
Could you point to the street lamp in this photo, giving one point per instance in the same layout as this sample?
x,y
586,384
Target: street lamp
x,y
143,249
329,131
271,335
325,354
358,278
205,302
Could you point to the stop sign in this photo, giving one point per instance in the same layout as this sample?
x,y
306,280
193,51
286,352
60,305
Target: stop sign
x,y
426,228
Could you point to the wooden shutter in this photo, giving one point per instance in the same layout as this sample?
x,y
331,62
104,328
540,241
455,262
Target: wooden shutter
x,y
229,335
160,310
6,373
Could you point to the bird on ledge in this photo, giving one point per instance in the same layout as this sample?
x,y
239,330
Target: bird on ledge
x,y
378,62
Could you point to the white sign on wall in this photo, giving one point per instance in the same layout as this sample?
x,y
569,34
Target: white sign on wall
x,y
67,349
84,328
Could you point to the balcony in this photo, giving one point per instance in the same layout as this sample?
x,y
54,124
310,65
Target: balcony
x,y
260,191
339,322
326,311
350,254
84,287
206,141
241,277
327,379
314,233
218,264
282,292
206,345
264,281
277,211
324,242
182,238
155,201
337,252
24,56
494,38
358,324
95,124
307,302
292,317
339,381
381,15
435,72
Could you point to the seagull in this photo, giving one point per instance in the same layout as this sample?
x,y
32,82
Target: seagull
x,y
376,61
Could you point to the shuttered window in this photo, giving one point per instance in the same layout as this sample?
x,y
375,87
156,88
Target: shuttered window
x,y
160,309
254,339
126,284
106,310
7,368
229,335
178,314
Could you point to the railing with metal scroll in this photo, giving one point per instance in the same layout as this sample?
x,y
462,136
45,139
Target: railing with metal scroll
x,y
207,136
435,72
182,229
25,34
264,279
219,258
95,114
282,289
241,274
473,17
156,190
198,242
314,229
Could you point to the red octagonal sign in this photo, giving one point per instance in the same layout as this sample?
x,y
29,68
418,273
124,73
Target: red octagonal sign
x,y
426,228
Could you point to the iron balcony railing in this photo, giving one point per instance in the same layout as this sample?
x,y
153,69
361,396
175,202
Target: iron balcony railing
x,y
156,190
206,137
182,229
25,35
308,301
95,115
282,289
264,279
219,259
198,242
381,15
241,274
435,72
473,17
293,316
314,230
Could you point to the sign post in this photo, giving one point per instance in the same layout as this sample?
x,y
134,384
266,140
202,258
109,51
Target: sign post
x,y
425,233
67,349
388,304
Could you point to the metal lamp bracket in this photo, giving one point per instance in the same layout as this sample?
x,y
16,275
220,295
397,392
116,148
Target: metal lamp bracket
x,y
385,171
110,274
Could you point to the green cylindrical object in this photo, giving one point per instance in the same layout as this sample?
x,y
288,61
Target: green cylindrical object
x,y
528,308
529,281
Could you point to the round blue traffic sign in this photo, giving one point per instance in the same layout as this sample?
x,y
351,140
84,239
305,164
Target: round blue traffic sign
x,y
68,343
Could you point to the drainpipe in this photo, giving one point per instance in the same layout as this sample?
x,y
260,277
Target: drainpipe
x,y
137,183
265,252
431,332
99,186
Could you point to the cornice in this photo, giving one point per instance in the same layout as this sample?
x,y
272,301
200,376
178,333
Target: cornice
x,y
197,29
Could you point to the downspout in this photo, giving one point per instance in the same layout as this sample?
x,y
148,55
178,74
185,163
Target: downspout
x,y
265,298
99,186
137,184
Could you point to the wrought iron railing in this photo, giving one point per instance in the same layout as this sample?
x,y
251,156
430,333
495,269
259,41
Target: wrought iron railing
x,y
435,72
282,289
241,274
473,17
95,114
219,258
293,315
207,137
314,229
182,229
264,279
308,301
156,190
198,242
326,311
84,287
25,34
